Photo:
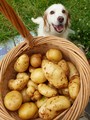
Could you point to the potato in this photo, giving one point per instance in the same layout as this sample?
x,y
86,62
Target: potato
x,y
31,83
31,88
22,63
75,79
27,110
63,64
53,106
37,76
25,96
73,90
54,55
41,101
17,84
46,90
74,87
64,91
72,69
23,75
54,74
30,91
35,60
36,96
13,100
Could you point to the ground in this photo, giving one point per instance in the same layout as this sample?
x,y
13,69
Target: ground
x,y
80,18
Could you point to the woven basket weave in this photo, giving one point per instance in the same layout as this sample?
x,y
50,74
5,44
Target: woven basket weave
x,y
42,44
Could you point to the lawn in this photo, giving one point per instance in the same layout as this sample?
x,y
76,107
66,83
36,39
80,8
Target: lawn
x,y
80,18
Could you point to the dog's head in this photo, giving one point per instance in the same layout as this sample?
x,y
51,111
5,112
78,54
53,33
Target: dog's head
x,y
56,19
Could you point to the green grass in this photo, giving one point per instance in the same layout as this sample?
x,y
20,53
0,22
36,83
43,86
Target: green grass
x,y
80,18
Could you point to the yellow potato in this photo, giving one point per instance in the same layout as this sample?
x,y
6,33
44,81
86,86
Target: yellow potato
x,y
22,63
33,84
27,110
23,75
72,69
30,91
37,76
36,96
31,88
53,106
17,84
54,74
46,90
35,60
75,79
25,96
54,55
64,91
41,101
13,100
74,87
63,64
73,90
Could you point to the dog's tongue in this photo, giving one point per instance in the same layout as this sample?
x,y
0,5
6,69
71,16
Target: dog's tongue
x,y
59,27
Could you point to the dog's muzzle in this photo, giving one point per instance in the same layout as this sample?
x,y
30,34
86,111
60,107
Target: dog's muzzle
x,y
59,28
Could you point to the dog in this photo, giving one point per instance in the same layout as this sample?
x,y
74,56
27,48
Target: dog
x,y
56,22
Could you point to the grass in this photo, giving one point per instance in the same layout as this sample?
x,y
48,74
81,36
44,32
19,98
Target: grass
x,y
80,18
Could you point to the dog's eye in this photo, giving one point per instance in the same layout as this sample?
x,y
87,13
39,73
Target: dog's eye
x,y
52,12
63,11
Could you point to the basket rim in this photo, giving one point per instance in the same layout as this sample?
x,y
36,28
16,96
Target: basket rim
x,y
75,51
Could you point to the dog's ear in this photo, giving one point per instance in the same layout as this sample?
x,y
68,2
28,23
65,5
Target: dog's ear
x,y
46,24
68,24
69,18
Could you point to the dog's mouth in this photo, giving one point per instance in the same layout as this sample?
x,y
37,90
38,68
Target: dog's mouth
x,y
59,28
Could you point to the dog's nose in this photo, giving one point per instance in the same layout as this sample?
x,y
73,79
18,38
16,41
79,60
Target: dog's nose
x,y
60,19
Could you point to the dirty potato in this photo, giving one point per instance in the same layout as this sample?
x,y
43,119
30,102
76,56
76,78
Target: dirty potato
x,y
74,87
72,70
22,75
47,91
17,84
41,101
54,74
63,64
52,107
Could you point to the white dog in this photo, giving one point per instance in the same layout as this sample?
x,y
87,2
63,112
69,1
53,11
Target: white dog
x,y
56,21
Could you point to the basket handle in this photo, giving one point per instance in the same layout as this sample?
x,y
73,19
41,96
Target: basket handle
x,y
10,14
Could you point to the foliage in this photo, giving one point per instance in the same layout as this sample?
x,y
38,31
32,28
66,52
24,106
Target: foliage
x,y
80,18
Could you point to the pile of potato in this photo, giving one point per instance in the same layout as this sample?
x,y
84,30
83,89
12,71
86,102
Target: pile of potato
x,y
45,85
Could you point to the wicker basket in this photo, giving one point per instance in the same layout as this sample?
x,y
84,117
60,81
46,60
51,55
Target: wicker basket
x,y
42,44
